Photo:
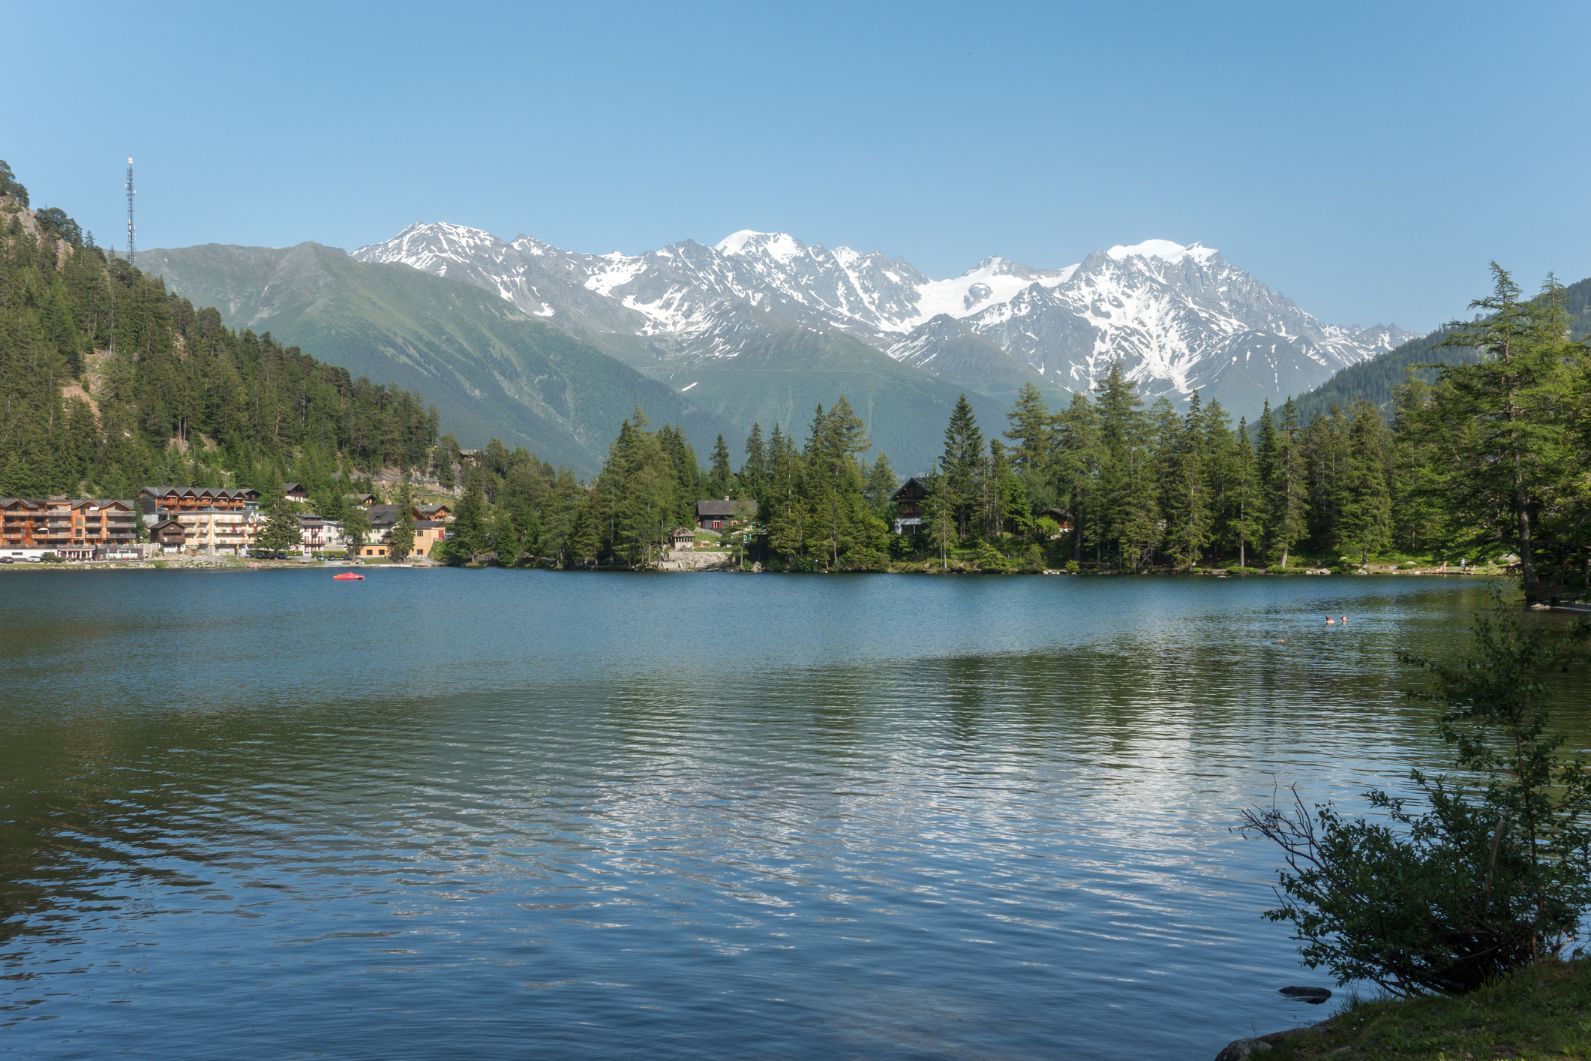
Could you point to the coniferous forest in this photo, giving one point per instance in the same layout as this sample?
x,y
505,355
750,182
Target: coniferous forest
x,y
1486,464
107,383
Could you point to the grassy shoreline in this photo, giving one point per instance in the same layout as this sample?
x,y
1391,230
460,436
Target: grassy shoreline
x,y
1542,1011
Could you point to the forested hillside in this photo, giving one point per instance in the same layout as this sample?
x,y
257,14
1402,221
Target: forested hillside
x,y
108,383
1378,379
490,370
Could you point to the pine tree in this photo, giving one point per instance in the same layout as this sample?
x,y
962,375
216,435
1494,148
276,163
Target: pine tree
x,y
355,528
1076,472
961,465
281,532
1245,500
721,479
1365,523
1032,429
754,472
1267,457
939,517
400,540
1286,488
1520,415
1186,499
1126,526
882,482
1420,472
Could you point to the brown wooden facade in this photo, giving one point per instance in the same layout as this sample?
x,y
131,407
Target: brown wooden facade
x,y
170,500
69,527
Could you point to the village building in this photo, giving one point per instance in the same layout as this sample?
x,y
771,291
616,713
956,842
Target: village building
x,y
364,500
295,492
70,528
427,533
682,538
155,502
317,534
725,514
169,535
21,524
219,531
216,521
430,527
908,501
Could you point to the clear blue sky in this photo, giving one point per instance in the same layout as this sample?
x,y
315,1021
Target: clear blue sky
x,y
1365,159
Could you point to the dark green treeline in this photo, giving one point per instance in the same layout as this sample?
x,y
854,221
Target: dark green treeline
x,y
1489,460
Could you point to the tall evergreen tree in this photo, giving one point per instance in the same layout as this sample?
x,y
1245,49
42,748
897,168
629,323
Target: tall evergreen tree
x,y
720,478
1245,500
1516,418
1365,522
962,465
1286,488
1126,526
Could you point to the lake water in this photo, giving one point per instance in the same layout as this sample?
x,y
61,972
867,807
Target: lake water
x,y
508,814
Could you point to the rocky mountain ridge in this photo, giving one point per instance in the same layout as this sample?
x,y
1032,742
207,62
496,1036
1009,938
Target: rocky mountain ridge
x,y
1179,317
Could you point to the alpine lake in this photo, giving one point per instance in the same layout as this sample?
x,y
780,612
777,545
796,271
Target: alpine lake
x,y
504,814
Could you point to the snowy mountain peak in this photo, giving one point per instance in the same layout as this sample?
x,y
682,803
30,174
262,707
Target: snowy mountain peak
x,y
1163,249
1181,317
778,245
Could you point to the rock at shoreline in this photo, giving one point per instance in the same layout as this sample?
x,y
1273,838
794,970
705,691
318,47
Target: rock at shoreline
x,y
1313,995
1239,1049
1256,1046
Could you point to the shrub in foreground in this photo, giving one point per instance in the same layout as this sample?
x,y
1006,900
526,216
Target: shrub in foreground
x,y
1480,872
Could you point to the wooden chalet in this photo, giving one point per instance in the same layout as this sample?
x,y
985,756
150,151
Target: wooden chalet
x,y
169,534
725,514
908,502
295,492
1062,518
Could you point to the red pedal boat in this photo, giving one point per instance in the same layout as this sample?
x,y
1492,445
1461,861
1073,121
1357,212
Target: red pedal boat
x,y
348,576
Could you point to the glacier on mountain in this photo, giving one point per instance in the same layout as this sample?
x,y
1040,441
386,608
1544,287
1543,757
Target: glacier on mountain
x,y
1178,317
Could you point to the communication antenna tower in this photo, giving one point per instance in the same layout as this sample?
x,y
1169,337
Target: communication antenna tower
x,y
132,254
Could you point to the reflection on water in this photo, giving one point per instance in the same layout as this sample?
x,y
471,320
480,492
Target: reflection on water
x,y
498,813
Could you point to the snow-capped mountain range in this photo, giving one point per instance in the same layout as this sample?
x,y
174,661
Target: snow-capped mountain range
x,y
1179,318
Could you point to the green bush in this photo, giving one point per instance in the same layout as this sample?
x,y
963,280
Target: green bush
x,y
1485,872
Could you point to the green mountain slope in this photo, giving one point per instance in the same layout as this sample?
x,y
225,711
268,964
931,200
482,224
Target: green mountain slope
x,y
487,369
784,375
1377,378
108,383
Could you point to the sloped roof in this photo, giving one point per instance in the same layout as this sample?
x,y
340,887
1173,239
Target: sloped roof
x,y
726,508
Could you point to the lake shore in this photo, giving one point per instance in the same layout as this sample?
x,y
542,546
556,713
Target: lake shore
x,y
217,563
1535,1012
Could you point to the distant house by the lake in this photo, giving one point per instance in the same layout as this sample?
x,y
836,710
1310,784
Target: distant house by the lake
x,y
169,535
725,514
908,502
430,527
